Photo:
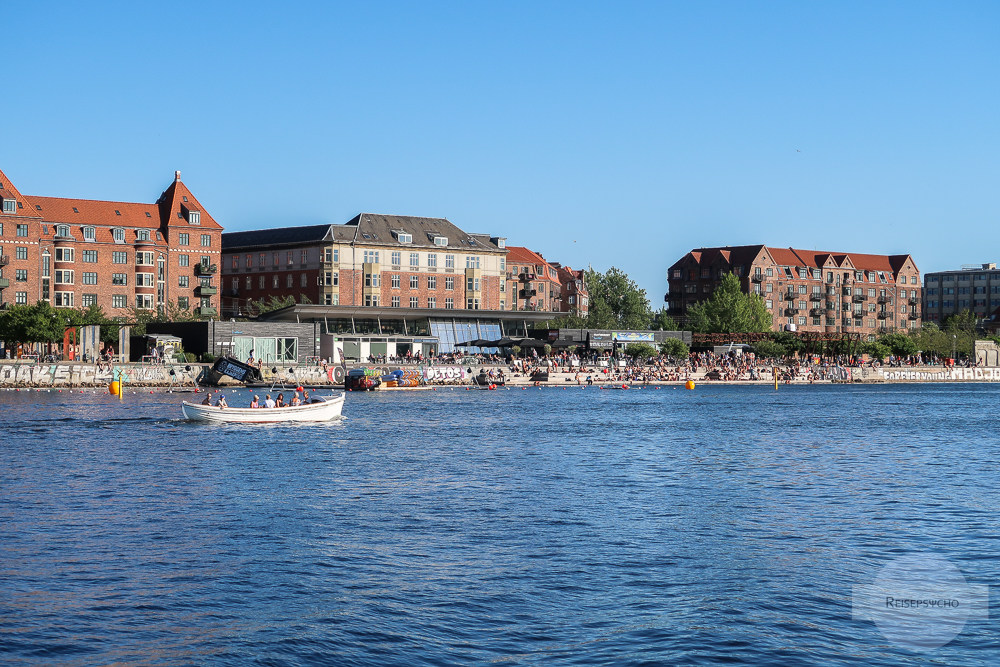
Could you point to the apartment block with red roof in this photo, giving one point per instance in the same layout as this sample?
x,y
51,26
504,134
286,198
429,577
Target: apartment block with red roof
x,y
532,282
116,255
806,290
575,297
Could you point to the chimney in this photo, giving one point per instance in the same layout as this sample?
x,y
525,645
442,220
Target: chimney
x,y
177,175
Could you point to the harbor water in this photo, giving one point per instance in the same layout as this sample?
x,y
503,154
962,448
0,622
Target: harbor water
x,y
531,526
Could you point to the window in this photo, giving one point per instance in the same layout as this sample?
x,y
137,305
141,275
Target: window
x,y
260,282
372,280
21,297
9,205
331,255
22,230
144,258
249,282
288,258
472,285
249,261
118,234
88,300
371,299
304,257
274,282
119,301
414,259
89,256
414,302
432,282
89,234
395,281
274,259
206,240
449,261
183,303
63,300
144,301
183,239
397,258
432,261
303,281
289,280
21,275
64,277
371,257
414,282
183,260
432,302
183,281
472,261
21,252
142,235
119,279
144,279
472,304
449,303
331,278
119,257
394,302
89,278
449,282
404,238
441,240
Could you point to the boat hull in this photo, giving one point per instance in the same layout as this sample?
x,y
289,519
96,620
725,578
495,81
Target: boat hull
x,y
324,408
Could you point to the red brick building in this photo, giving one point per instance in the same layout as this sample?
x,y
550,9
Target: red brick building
x,y
374,261
575,298
532,283
806,290
116,255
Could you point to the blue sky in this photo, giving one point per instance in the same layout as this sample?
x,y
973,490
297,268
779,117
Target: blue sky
x,y
593,132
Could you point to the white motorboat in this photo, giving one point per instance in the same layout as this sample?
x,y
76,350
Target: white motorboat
x,y
319,409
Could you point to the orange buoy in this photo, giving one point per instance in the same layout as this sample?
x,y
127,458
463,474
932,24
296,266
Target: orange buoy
x,y
115,388
689,384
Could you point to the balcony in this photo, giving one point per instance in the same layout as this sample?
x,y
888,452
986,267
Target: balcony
x,y
815,297
204,311
817,312
527,293
205,269
858,298
206,290
914,316
885,299
527,276
757,277
791,311
790,296
882,315
846,291
4,260
4,283
914,300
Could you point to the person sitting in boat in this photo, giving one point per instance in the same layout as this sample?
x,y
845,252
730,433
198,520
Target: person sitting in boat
x,y
208,399
296,400
305,396
268,401
222,401
280,403
255,403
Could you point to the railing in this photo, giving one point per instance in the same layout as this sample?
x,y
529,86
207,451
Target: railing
x,y
885,299
527,276
757,277
858,298
207,290
914,300
4,283
4,260
791,311
817,312
205,269
815,297
526,293
882,315
205,311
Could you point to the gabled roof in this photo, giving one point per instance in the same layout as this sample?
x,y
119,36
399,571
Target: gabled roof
x,y
520,254
176,199
379,229
88,212
796,257
24,207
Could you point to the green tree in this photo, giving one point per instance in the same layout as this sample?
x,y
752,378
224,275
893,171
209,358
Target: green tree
x,y
729,310
566,322
876,350
674,347
616,302
769,349
640,350
791,343
899,344
664,322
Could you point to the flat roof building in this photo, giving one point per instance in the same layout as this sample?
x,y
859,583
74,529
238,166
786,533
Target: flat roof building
x,y
974,287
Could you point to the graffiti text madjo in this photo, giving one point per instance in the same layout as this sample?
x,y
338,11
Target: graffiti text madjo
x,y
944,375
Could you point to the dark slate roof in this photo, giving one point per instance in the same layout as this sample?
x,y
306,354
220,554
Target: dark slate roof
x,y
380,228
283,236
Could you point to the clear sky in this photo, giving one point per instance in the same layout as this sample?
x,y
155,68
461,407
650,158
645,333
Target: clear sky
x,y
603,133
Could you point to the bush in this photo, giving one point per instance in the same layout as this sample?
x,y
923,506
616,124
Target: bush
x,y
191,357
208,357
640,350
769,349
876,350
674,347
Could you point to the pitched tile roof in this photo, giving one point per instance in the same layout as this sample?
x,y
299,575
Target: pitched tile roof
x,y
25,208
796,257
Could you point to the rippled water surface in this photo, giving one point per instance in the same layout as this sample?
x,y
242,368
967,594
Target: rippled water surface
x,y
725,524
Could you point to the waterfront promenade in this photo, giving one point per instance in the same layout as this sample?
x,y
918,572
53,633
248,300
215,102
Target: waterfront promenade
x,y
14,374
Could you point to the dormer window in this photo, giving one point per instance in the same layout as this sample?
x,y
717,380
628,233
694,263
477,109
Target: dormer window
x,y
142,235
9,206
403,237
441,240
118,234
501,243
194,217
89,234
62,230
